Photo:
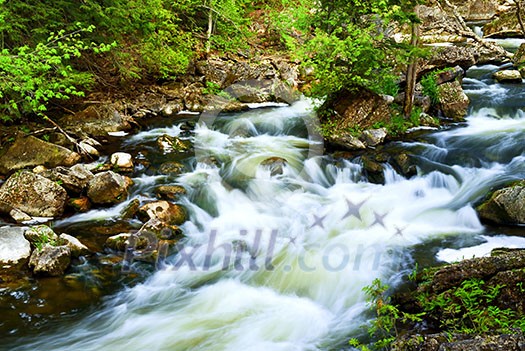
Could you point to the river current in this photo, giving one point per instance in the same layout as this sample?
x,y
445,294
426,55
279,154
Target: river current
x,y
277,260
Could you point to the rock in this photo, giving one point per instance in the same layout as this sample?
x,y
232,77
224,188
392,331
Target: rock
x,y
449,75
508,76
506,25
33,194
275,165
358,109
476,10
437,25
373,137
171,108
519,56
74,179
131,209
119,242
41,234
87,145
162,230
108,188
97,121
171,168
80,204
19,216
164,211
14,248
453,101
30,151
373,168
170,192
122,161
76,247
505,206
51,260
169,144
449,56
483,268
454,342
346,141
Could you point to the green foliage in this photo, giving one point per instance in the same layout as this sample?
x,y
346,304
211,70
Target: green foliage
x,y
383,329
470,309
43,238
32,76
430,87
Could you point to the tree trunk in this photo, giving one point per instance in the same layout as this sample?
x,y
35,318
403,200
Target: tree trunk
x,y
411,75
210,30
518,15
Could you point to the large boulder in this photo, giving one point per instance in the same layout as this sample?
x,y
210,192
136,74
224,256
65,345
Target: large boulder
x,y
50,260
14,248
453,101
359,109
33,194
505,206
108,188
97,120
28,151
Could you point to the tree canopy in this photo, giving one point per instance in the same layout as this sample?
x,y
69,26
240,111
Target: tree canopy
x,y
55,49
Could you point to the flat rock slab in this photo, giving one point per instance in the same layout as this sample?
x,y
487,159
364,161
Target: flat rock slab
x,y
28,151
14,247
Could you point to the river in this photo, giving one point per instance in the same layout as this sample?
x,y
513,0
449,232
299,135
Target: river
x,y
278,260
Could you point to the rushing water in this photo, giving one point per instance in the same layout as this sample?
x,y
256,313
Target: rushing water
x,y
278,260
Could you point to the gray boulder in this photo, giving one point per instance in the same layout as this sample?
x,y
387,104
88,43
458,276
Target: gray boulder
x,y
505,206
33,194
14,248
453,100
76,247
28,151
108,188
50,260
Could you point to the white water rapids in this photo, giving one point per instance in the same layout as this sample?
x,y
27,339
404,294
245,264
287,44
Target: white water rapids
x,y
278,262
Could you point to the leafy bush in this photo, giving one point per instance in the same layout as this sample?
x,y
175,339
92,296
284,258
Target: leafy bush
x,y
32,76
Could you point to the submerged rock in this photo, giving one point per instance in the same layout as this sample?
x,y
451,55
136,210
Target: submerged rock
x,y
34,195
108,188
50,260
14,247
171,167
505,206
170,192
28,151
275,165
169,144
